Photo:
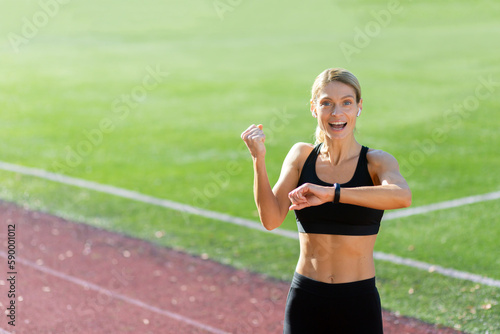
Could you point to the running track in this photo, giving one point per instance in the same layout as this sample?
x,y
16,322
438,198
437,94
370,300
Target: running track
x,y
73,278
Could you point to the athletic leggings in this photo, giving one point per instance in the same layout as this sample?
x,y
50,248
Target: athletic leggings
x,y
343,308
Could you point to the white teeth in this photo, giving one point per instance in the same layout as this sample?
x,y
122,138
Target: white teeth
x,y
338,125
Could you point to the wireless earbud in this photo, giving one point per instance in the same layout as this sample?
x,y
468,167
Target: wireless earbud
x,y
359,112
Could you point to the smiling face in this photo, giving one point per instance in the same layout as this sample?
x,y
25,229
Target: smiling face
x,y
336,109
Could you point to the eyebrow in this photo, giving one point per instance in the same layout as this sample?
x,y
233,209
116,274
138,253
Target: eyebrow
x,y
343,97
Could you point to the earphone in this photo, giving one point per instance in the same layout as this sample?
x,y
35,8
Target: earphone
x,y
359,112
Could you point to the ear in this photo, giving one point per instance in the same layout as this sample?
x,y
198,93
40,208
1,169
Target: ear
x,y
360,107
313,109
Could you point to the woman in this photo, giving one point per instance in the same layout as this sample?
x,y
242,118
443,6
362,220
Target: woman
x,y
338,189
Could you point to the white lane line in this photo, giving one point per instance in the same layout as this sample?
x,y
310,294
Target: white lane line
x,y
132,301
136,196
437,269
112,190
442,205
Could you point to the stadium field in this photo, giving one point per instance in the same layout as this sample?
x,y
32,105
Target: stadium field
x,y
152,98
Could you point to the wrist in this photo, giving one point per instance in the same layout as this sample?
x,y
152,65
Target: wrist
x,y
259,162
331,193
258,158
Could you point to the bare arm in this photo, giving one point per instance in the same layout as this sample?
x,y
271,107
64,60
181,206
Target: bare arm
x,y
272,204
390,191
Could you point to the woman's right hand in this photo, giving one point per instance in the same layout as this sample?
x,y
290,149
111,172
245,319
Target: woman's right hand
x,y
254,138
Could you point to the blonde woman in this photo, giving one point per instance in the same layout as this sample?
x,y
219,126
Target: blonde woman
x,y
339,190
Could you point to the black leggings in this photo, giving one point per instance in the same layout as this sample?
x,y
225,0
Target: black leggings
x,y
343,308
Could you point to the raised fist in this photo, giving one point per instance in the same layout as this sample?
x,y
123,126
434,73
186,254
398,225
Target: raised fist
x,y
254,137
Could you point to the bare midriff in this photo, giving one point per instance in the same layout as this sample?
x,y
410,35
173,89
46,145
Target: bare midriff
x,y
336,258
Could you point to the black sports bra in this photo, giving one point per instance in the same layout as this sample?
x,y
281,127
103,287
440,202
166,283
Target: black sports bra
x,y
341,219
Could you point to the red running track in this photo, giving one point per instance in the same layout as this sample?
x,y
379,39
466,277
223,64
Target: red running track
x,y
74,278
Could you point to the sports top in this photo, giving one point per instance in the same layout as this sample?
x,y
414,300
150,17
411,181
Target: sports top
x,y
338,218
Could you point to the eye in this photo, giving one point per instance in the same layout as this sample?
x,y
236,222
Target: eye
x,y
326,104
347,103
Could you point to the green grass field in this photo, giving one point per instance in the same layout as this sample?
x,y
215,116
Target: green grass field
x,y
152,97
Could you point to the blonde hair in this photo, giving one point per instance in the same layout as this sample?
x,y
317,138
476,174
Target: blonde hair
x,y
323,79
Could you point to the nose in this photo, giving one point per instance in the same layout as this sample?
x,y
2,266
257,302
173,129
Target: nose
x,y
334,111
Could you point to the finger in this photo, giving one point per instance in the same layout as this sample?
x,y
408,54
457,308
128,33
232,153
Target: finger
x,y
244,134
250,135
256,137
248,130
260,136
298,199
298,206
300,191
257,130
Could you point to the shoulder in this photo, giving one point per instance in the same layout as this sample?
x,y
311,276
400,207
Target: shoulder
x,y
298,153
378,159
302,148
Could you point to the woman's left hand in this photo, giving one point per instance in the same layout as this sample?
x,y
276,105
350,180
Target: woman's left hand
x,y
310,194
